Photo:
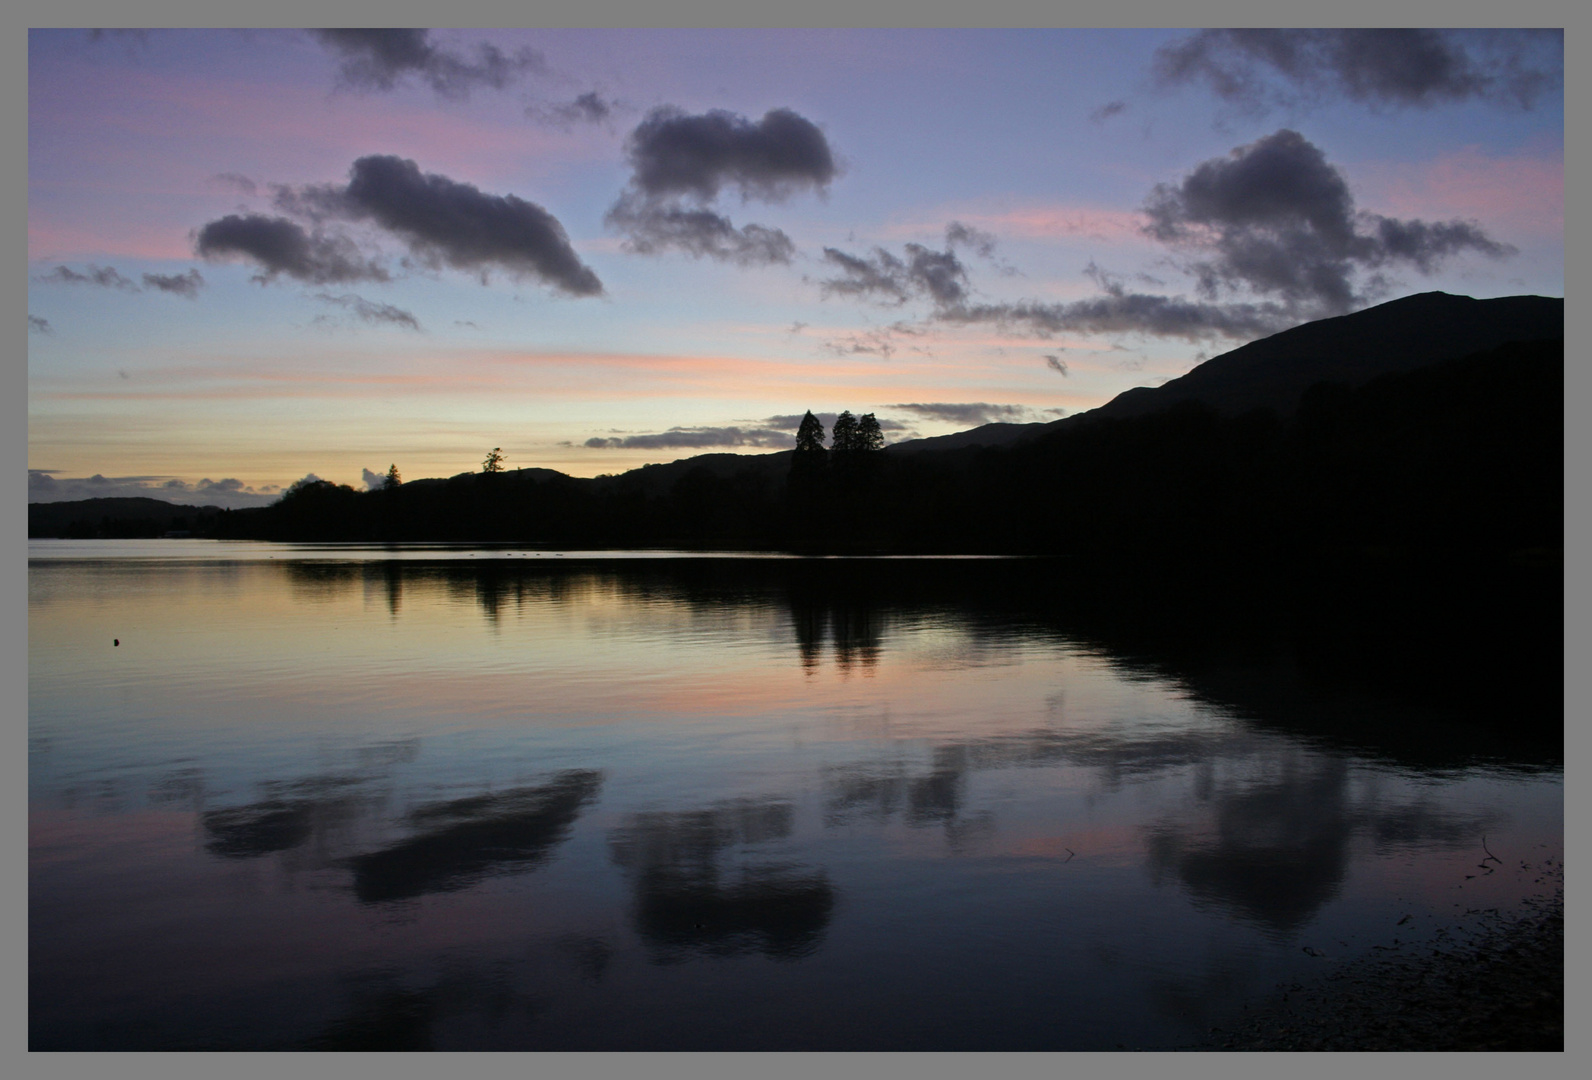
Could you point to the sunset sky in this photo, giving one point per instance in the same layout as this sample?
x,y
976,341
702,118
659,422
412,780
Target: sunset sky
x,y
259,255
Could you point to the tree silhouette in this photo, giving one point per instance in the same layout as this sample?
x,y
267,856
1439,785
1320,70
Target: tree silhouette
x,y
494,461
844,437
393,480
869,437
810,436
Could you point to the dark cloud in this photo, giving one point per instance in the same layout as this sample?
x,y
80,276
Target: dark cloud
x,y
379,59
1384,68
695,438
1056,364
880,342
677,154
107,277
1121,312
187,285
1269,234
236,181
444,221
281,246
681,163
940,278
972,413
104,276
651,227
369,311
134,40
588,108
883,277
1278,219
1108,110
38,325
982,243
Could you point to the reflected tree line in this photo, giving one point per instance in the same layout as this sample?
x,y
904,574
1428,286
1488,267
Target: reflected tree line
x,y
1424,671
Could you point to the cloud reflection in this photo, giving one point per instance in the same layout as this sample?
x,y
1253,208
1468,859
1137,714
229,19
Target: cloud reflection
x,y
466,840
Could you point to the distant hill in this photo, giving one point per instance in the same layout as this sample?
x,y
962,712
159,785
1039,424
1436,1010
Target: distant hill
x,y
1400,335
1000,434
116,518
1432,423
1273,372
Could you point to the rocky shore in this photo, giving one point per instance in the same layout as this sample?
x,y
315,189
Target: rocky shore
x,y
1497,986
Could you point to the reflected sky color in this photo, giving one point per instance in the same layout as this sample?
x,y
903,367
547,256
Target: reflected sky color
x,y
682,804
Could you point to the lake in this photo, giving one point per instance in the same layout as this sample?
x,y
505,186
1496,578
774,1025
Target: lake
x,y
294,796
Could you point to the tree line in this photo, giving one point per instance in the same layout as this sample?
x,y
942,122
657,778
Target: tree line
x,y
1460,457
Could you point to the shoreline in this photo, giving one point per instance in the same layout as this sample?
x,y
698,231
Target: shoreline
x,y
1501,989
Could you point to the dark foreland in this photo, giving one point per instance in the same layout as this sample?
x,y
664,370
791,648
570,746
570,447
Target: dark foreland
x,y
1427,426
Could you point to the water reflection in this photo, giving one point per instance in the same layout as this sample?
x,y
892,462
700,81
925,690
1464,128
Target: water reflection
x,y
704,881
1351,661
464,840
385,1013
250,806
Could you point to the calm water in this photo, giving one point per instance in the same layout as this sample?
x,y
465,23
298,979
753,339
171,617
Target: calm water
x,y
469,799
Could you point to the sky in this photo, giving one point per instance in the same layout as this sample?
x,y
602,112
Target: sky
x,y
260,256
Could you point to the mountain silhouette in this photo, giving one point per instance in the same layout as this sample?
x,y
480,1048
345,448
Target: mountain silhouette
x,y
1274,372
1429,424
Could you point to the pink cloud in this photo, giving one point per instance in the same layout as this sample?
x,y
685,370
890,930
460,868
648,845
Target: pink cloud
x,y
118,145
1510,196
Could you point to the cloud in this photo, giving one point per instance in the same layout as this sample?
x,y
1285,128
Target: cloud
x,y
971,414
303,482
104,276
1269,235
374,481
1121,312
444,221
236,181
1255,69
229,493
880,342
186,285
369,311
1277,219
281,246
982,243
588,108
651,228
1108,110
681,163
38,325
940,278
107,277
673,153
695,438
1056,364
379,59
882,277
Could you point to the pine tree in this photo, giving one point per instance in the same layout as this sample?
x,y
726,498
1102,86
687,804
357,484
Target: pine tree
x,y
494,461
810,436
869,437
393,480
844,437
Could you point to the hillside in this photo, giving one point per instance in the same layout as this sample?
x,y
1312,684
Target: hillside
x,y
1273,372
